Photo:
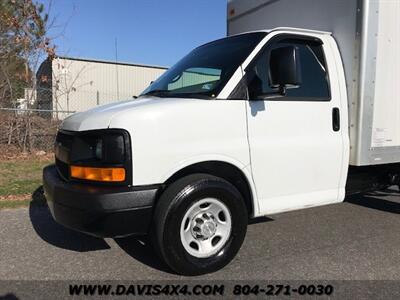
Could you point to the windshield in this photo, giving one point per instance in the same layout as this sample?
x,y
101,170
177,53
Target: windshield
x,y
204,71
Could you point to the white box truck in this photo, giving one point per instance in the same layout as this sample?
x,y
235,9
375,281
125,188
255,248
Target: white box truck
x,y
298,107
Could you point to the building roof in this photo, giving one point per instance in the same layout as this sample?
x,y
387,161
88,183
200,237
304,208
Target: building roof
x,y
112,62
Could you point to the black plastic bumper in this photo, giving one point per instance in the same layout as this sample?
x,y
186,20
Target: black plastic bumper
x,y
102,211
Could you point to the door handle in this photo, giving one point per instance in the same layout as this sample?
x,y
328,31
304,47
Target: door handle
x,y
336,119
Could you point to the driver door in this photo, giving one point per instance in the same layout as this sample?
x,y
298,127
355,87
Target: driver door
x,y
296,149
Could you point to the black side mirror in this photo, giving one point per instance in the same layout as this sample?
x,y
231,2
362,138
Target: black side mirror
x,y
285,71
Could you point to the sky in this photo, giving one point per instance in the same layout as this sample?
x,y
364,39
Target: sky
x,y
156,32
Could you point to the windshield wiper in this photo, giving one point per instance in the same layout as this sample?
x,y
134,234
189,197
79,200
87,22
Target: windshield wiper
x,y
192,95
171,94
156,93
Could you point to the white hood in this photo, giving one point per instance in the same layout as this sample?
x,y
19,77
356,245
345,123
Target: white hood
x,y
100,117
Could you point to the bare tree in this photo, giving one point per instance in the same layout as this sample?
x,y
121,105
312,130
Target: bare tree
x,y
23,43
64,86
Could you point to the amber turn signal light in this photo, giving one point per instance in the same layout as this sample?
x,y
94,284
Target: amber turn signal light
x,y
98,174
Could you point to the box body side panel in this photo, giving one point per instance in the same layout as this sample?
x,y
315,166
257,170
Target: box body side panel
x,y
379,111
386,120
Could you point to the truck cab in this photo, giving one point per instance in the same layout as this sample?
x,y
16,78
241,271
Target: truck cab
x,y
246,126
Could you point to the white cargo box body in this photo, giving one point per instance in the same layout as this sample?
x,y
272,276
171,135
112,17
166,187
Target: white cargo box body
x,y
368,36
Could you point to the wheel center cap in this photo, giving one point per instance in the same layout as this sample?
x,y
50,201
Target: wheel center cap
x,y
204,226
208,229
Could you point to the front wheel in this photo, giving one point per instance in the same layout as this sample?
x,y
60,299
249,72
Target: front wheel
x,y
200,223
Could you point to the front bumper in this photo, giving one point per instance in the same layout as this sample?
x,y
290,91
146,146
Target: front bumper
x,y
103,211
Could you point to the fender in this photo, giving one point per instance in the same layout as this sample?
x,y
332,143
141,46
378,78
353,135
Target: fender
x,y
244,169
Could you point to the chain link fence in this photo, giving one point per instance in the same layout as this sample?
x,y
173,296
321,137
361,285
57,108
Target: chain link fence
x,y
30,124
63,86
25,130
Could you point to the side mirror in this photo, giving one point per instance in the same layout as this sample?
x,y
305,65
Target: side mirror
x,y
285,71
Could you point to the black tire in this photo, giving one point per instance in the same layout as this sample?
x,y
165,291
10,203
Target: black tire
x,y
170,210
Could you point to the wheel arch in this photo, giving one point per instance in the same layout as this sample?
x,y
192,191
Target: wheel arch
x,y
227,171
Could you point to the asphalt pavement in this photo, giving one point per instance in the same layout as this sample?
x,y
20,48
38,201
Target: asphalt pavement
x,y
358,239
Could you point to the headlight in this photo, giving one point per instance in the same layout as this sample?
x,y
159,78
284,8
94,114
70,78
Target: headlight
x,y
98,147
98,155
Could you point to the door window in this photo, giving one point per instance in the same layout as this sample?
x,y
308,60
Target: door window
x,y
314,74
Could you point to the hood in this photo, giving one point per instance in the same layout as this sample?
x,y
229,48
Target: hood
x,y
100,117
